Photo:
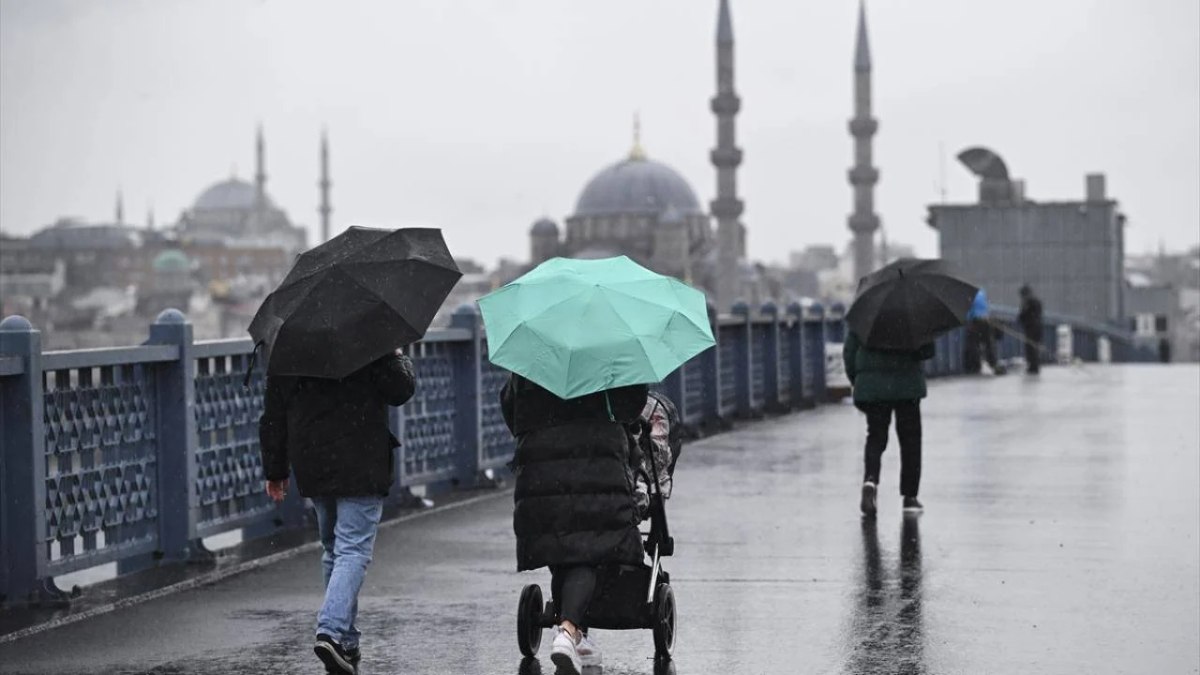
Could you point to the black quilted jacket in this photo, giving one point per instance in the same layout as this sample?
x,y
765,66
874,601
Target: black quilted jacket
x,y
574,492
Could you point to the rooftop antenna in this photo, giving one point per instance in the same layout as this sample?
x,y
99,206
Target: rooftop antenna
x,y
637,152
942,170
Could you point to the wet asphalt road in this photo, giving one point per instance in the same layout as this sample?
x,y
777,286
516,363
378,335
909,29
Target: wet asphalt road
x,y
1062,535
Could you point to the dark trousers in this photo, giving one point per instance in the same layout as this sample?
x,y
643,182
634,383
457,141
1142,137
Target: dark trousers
x,y
979,347
1033,350
908,428
572,587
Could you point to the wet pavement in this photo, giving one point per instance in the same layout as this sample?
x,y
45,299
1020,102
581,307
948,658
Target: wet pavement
x,y
1061,535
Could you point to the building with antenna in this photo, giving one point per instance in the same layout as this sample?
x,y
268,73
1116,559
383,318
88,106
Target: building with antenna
x,y
1070,251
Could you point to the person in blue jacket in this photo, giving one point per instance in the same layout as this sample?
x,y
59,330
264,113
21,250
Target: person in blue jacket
x,y
980,343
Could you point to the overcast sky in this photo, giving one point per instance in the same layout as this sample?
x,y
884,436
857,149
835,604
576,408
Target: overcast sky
x,y
479,116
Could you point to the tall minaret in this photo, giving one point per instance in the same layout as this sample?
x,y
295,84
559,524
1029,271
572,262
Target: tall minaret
x,y
120,208
260,177
727,208
863,222
325,209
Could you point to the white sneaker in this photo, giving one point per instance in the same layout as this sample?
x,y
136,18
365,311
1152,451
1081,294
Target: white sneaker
x,y
589,653
564,654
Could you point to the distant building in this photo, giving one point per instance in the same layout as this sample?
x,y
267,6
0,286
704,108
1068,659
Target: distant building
x,y
646,210
29,280
237,214
1071,252
637,207
817,258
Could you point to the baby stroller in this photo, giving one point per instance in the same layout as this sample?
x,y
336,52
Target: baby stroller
x,y
629,597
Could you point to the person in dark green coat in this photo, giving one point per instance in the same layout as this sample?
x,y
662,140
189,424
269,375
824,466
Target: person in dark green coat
x,y
887,382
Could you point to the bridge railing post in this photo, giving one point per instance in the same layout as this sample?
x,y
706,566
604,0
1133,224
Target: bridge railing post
x,y
175,382
23,554
744,356
814,352
467,363
775,397
711,376
794,343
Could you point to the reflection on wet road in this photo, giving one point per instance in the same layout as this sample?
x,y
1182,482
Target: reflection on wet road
x,y
885,631
1060,536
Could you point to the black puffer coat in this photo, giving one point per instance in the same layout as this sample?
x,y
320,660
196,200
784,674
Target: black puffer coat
x,y
574,493
334,433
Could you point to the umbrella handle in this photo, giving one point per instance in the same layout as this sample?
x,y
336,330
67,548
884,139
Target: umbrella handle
x,y
250,367
608,404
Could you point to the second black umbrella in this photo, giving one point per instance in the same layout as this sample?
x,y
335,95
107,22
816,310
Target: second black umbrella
x,y
909,303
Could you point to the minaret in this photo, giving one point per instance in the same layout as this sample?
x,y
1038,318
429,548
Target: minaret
x,y
863,222
120,208
726,157
260,177
325,209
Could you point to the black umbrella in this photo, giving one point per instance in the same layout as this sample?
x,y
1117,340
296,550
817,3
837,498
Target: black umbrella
x,y
909,303
353,299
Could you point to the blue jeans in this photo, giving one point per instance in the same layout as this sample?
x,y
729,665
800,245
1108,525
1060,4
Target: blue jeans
x,y
347,526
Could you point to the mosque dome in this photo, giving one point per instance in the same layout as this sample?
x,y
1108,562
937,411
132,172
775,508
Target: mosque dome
x,y
231,194
637,186
544,227
171,260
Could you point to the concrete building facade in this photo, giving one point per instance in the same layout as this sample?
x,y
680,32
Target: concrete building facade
x,y
1070,252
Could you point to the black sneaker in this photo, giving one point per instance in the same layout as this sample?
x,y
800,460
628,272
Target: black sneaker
x,y
868,499
912,504
336,659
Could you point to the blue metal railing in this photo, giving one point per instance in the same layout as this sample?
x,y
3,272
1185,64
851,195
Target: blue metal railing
x,y
134,454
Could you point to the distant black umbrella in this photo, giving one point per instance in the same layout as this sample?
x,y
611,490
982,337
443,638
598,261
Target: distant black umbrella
x,y
909,303
353,299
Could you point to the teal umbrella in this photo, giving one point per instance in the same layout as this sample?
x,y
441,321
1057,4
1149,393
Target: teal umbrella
x,y
580,326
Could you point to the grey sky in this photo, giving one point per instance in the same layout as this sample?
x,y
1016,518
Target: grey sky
x,y
480,116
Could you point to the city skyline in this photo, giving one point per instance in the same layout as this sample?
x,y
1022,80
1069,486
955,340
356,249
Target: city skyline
x,y
426,131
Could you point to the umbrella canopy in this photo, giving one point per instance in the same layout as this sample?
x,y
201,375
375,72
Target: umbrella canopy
x,y
908,304
580,326
353,299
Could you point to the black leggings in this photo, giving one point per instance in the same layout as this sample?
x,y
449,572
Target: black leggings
x,y
572,587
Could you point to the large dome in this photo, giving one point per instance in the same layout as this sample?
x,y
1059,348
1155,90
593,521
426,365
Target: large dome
x,y
637,186
233,194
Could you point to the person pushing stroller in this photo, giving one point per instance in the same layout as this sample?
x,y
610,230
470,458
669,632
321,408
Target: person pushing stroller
x,y
574,497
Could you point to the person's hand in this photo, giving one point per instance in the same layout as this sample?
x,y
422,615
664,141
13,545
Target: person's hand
x,y
277,489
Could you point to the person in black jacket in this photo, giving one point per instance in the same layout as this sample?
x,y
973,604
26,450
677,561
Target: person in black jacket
x,y
574,497
1030,318
334,436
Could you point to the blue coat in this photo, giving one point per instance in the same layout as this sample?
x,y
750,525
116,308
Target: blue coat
x,y
979,308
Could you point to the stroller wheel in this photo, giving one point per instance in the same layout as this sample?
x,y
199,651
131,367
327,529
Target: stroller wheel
x,y
529,620
664,621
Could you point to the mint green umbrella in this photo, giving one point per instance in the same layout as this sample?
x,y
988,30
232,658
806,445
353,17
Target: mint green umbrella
x,y
580,326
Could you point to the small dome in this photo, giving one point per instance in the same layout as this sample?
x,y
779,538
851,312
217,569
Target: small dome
x,y
171,260
637,186
232,194
545,227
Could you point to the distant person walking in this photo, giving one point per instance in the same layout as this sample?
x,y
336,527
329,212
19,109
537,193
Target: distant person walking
x,y
334,435
980,343
887,383
1030,319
